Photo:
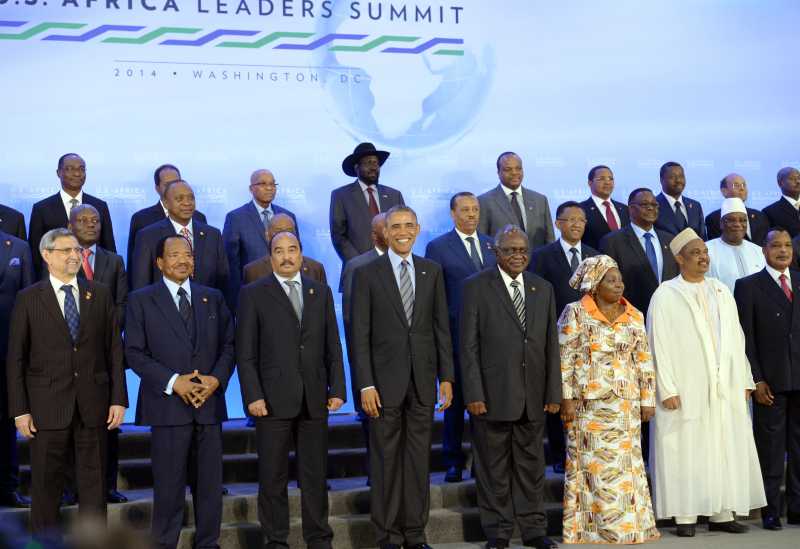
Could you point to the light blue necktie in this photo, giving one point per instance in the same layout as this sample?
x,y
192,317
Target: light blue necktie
x,y
71,312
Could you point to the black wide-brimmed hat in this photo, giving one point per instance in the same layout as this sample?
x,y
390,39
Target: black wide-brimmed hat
x,y
362,150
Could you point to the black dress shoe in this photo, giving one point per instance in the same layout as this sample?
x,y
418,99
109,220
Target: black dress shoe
x,y
116,497
542,542
454,474
771,523
730,526
497,544
224,491
685,530
69,498
389,546
558,468
793,518
15,499
422,545
250,422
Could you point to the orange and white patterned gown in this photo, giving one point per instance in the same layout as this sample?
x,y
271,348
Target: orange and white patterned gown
x,y
608,369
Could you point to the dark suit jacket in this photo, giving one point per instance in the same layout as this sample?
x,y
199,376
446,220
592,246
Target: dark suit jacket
x,y
148,216
759,226
388,352
110,270
771,325
640,281
596,224
49,213
450,253
16,273
496,213
666,216
280,358
350,220
263,267
551,264
157,346
210,263
245,242
783,214
12,222
510,369
49,375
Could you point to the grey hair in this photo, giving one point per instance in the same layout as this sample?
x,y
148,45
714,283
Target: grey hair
x,y
507,231
48,241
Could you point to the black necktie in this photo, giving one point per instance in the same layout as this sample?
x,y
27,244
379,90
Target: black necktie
x,y
517,210
473,253
680,217
574,262
185,309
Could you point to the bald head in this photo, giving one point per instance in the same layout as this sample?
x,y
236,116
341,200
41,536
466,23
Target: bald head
x,y
281,223
789,182
733,185
263,187
378,228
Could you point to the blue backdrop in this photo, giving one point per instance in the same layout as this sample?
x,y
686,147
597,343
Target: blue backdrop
x,y
222,87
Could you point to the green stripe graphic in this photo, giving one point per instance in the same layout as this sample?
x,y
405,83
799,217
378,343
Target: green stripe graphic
x,y
152,35
41,27
266,40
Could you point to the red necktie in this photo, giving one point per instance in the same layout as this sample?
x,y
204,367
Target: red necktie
x,y
785,287
373,206
188,236
87,267
610,219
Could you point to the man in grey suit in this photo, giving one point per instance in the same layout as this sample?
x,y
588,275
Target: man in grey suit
x,y
354,205
511,204
401,346
507,393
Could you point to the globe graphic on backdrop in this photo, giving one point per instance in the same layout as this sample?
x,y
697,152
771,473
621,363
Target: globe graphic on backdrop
x,y
405,101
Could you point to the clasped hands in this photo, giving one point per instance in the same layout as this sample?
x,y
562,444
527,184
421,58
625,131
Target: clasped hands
x,y
194,389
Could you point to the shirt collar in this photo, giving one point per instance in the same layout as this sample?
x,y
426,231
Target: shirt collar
x,y
630,313
775,274
56,283
599,202
283,279
507,278
260,209
163,207
508,191
672,201
396,259
641,232
379,252
566,247
178,226
93,249
173,287
792,201
463,236
364,186
65,198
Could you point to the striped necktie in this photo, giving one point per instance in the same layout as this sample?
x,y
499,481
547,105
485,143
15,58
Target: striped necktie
x,y
519,303
406,291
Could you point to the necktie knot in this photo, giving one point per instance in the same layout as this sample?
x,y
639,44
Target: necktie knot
x,y
514,284
182,292
67,289
73,203
648,236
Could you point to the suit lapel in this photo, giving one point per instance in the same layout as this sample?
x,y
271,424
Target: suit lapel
x,y
531,294
422,290
199,307
500,287
5,254
50,302
669,213
635,245
310,300
457,246
272,286
389,282
505,205
87,299
255,220
166,304
58,210
383,197
357,197
100,263
199,238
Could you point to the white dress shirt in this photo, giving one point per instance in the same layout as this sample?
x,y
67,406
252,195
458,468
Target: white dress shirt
x,y
521,201
295,278
600,206
66,199
639,232
173,288
566,246
672,201
507,280
260,209
795,203
477,241
56,283
179,228
775,274
364,191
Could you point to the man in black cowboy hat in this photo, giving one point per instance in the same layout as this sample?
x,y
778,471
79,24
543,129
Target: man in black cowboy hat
x,y
354,205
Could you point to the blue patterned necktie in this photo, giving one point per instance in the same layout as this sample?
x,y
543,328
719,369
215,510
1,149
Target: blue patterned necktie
x,y
680,217
266,217
519,303
406,291
71,312
650,252
473,253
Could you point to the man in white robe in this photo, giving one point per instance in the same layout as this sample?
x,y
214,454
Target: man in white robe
x,y
732,256
704,458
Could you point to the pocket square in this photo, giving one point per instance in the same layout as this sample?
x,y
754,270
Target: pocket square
x,y
14,262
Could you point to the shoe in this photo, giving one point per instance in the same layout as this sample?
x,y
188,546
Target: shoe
x,y
422,545
497,544
730,526
686,530
15,499
224,491
793,518
454,474
558,468
69,498
541,542
390,546
771,523
116,497
250,422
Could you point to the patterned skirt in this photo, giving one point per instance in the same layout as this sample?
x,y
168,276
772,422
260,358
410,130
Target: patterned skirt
x,y
606,496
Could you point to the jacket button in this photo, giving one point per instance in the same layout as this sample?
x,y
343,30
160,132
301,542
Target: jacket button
x,y
523,364
301,347
75,349
75,374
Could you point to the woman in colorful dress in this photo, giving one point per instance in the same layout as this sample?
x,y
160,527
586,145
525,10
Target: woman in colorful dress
x,y
608,384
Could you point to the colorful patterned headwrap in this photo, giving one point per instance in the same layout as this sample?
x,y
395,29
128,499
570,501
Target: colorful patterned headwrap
x,y
590,272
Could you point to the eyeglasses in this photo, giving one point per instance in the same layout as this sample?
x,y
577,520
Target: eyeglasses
x,y
265,185
67,251
646,205
513,251
572,220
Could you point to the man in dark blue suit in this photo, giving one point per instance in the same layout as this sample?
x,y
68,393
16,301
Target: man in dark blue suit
x,y
210,263
354,205
461,253
12,222
244,232
179,340
16,272
164,175
675,211
555,263
603,213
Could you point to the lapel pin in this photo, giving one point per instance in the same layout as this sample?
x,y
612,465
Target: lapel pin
x,y
202,233
533,288
305,269
311,291
88,295
8,243
423,272
384,196
205,299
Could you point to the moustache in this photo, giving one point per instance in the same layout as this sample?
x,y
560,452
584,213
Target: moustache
x,y
288,262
